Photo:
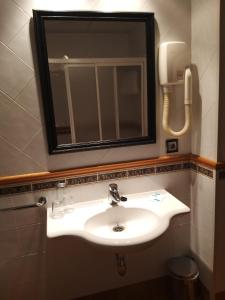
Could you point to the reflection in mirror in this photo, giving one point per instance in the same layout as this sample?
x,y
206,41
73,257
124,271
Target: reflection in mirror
x,y
98,79
98,85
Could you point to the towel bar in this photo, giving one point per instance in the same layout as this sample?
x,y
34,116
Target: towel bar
x,y
41,202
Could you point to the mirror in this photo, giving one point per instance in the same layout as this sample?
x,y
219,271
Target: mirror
x,y
97,78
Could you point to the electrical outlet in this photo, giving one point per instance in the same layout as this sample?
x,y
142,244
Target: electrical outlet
x,y
171,145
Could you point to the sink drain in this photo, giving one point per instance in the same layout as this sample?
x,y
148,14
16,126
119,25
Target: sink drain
x,y
118,228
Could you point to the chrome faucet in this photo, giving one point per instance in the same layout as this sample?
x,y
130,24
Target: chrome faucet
x,y
114,196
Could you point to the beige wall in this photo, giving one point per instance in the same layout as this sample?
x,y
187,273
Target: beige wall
x,y
205,57
23,149
22,131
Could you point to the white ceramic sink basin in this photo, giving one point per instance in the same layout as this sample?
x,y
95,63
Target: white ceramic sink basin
x,y
134,223
121,224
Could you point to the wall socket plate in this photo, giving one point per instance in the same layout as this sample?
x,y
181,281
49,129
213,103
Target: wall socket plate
x,y
171,145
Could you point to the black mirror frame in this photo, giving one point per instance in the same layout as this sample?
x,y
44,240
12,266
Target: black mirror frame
x,y
39,18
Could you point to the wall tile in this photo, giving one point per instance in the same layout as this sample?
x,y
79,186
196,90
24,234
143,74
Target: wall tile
x,y
81,193
209,125
168,168
21,45
205,55
160,252
21,270
9,244
209,92
78,159
129,153
203,203
14,161
202,245
28,5
16,126
37,148
6,202
32,215
31,239
32,267
7,220
28,98
180,242
138,172
82,179
27,216
10,11
8,275
112,176
202,224
179,220
11,67
46,185
205,171
32,289
22,199
25,5
203,47
15,189
208,85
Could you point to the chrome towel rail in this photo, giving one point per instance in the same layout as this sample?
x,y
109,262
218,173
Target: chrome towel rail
x,y
41,202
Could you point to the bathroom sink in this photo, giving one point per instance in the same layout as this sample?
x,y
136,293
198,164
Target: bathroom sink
x,y
132,224
123,225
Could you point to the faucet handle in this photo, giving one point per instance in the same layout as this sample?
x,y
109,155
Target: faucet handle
x,y
113,187
123,199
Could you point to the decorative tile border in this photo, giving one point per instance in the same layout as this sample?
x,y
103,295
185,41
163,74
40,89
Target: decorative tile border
x,y
99,177
187,165
45,185
82,180
202,170
112,175
193,167
15,189
140,172
205,171
169,168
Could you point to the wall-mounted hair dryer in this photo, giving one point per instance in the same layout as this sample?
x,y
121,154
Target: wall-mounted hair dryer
x,y
173,71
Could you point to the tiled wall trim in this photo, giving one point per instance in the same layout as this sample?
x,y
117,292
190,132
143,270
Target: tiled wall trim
x,y
82,179
45,185
169,168
15,189
139,172
112,175
190,161
98,177
202,170
205,171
